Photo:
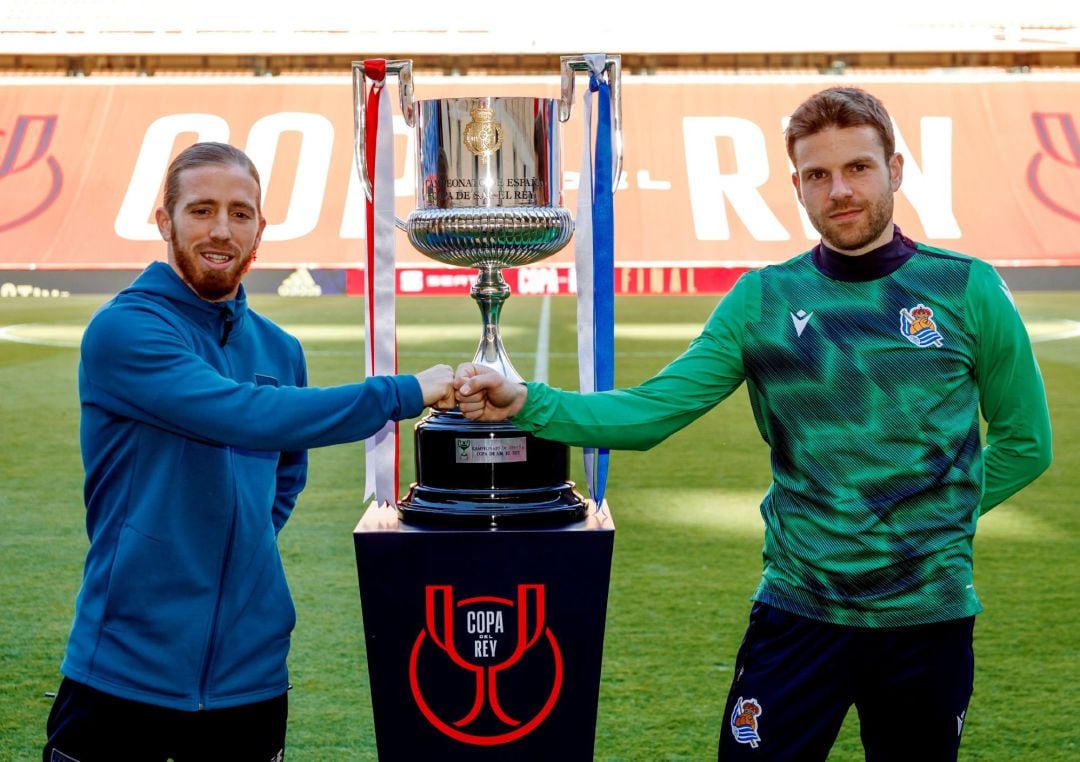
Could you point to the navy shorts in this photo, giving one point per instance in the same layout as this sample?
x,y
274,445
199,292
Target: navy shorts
x,y
796,679
86,725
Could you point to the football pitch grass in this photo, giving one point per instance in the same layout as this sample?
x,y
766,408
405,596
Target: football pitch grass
x,y
687,542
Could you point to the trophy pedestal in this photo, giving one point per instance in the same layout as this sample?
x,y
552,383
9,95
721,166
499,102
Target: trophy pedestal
x,y
476,474
484,644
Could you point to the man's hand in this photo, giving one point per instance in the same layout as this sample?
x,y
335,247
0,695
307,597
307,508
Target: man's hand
x,y
437,386
484,394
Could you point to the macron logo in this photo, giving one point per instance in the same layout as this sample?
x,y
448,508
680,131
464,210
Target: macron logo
x,y
800,319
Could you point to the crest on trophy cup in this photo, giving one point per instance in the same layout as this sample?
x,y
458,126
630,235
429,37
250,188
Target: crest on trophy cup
x,y
483,135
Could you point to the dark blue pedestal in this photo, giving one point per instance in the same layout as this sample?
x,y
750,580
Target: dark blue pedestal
x,y
484,644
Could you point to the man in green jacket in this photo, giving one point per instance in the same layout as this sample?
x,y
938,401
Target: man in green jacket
x,y
867,360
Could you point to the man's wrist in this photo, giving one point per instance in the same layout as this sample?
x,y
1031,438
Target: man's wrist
x,y
520,398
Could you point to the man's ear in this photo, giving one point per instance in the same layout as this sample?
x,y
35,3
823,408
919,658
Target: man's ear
x,y
896,171
164,223
798,188
258,236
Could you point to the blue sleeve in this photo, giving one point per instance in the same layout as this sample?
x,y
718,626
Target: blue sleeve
x,y
291,478
291,469
137,365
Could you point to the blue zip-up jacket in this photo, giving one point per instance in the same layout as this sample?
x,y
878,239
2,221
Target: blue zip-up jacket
x,y
196,419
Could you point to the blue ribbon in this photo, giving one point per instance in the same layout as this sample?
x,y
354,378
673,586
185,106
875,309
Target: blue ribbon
x,y
603,220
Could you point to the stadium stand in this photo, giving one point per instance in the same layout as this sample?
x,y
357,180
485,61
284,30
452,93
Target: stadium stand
x,y
140,37
293,55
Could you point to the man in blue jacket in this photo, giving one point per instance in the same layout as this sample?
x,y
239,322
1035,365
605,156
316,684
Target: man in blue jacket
x,y
196,419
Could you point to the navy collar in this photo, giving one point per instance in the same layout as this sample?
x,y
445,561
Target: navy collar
x,y
872,265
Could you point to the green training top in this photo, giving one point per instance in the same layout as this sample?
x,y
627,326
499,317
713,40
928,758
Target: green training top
x,y
867,389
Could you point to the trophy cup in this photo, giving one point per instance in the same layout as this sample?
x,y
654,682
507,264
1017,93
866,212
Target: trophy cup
x,y
488,193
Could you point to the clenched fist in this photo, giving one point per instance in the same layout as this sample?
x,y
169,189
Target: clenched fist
x,y
484,394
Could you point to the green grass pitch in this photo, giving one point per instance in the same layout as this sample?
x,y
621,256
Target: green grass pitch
x,y
687,544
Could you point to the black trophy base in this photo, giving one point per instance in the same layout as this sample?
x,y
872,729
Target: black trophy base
x,y
478,474
508,509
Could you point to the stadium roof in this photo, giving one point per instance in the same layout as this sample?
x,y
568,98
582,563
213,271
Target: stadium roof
x,y
322,27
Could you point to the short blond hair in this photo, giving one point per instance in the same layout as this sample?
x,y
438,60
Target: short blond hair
x,y
202,154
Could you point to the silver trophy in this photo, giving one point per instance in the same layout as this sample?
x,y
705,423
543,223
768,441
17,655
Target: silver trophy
x,y
488,196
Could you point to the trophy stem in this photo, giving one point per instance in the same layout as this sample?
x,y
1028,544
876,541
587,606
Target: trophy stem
x,y
490,291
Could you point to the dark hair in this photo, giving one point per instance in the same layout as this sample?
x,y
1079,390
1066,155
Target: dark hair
x,y
840,107
201,154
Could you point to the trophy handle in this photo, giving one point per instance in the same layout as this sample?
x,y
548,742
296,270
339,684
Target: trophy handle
x,y
568,65
403,70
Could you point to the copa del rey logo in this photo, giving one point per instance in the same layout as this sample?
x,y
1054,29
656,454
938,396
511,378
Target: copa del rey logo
x,y
30,176
485,670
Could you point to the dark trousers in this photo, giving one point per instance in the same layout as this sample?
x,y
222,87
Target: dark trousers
x,y
87,725
796,678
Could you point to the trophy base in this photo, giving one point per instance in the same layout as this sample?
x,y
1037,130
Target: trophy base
x,y
479,474
505,509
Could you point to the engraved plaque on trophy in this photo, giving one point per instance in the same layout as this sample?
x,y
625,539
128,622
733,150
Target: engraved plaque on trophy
x,y
489,186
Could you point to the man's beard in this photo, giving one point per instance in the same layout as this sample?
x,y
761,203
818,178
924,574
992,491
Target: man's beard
x,y
847,238
211,285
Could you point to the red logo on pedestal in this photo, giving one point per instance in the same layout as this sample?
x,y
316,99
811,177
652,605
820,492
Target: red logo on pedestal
x,y
485,670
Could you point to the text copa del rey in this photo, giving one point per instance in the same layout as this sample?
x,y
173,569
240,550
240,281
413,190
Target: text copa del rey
x,y
484,625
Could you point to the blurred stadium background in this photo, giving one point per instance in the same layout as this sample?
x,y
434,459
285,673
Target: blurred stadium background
x,y
986,95
95,98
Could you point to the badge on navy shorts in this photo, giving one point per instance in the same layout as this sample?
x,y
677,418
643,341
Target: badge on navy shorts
x,y
744,721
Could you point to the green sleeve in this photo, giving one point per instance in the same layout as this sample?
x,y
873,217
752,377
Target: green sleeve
x,y
1011,391
640,417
